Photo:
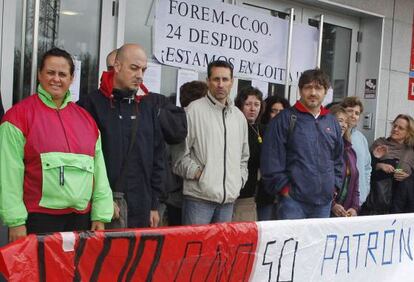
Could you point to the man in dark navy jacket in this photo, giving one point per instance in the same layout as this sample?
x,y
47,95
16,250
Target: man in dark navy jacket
x,y
302,153
137,171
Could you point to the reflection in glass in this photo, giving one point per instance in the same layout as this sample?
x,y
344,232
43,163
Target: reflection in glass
x,y
139,19
273,89
336,48
22,50
70,25
335,57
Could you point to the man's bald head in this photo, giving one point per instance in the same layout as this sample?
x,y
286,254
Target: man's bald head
x,y
130,49
130,65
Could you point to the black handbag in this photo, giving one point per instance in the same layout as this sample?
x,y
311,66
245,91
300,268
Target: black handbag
x,y
379,199
380,196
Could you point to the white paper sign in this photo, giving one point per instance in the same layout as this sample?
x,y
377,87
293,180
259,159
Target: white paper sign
x,y
152,77
304,49
262,86
75,86
191,34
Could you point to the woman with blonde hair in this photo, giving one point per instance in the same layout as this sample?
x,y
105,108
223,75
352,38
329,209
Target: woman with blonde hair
x,y
391,179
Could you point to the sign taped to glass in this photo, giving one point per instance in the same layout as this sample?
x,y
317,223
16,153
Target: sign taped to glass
x,y
190,34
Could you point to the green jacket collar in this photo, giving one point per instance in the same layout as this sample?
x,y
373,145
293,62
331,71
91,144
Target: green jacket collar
x,y
48,101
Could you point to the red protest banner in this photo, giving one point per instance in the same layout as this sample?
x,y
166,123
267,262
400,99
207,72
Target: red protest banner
x,y
411,88
198,253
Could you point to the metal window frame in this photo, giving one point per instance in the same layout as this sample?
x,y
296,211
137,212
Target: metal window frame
x,y
7,34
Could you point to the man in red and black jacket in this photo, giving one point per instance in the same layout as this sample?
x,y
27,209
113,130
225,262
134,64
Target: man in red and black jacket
x,y
172,119
115,107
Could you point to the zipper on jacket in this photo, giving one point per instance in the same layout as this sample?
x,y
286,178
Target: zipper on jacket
x,y
318,154
64,131
61,175
225,148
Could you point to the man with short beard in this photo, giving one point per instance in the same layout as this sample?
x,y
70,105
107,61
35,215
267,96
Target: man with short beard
x,y
302,153
135,172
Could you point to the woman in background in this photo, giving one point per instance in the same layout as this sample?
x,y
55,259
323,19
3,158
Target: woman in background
x,y
346,199
266,204
249,100
391,178
273,106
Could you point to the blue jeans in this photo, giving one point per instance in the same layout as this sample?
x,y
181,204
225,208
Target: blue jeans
x,y
292,209
267,212
204,212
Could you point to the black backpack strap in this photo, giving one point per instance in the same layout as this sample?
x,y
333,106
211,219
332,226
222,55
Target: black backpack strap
x,y
292,122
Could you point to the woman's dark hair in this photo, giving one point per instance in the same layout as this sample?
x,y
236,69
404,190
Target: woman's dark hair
x,y
56,52
332,104
352,101
191,91
269,102
245,93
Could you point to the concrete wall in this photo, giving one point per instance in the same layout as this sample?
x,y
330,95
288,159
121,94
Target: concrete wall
x,y
396,54
369,68
394,58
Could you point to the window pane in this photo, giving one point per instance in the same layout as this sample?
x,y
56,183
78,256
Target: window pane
x,y
138,24
336,48
71,25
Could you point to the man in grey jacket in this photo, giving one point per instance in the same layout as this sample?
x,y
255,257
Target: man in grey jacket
x,y
213,159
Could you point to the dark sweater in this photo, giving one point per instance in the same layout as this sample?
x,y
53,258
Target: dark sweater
x,y
249,190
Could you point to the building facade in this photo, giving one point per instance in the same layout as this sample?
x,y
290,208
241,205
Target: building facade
x,y
366,46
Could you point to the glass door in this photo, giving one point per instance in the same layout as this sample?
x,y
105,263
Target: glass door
x,y
279,10
339,50
339,42
71,25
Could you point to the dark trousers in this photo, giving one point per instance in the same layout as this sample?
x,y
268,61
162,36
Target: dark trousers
x,y
174,215
49,223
